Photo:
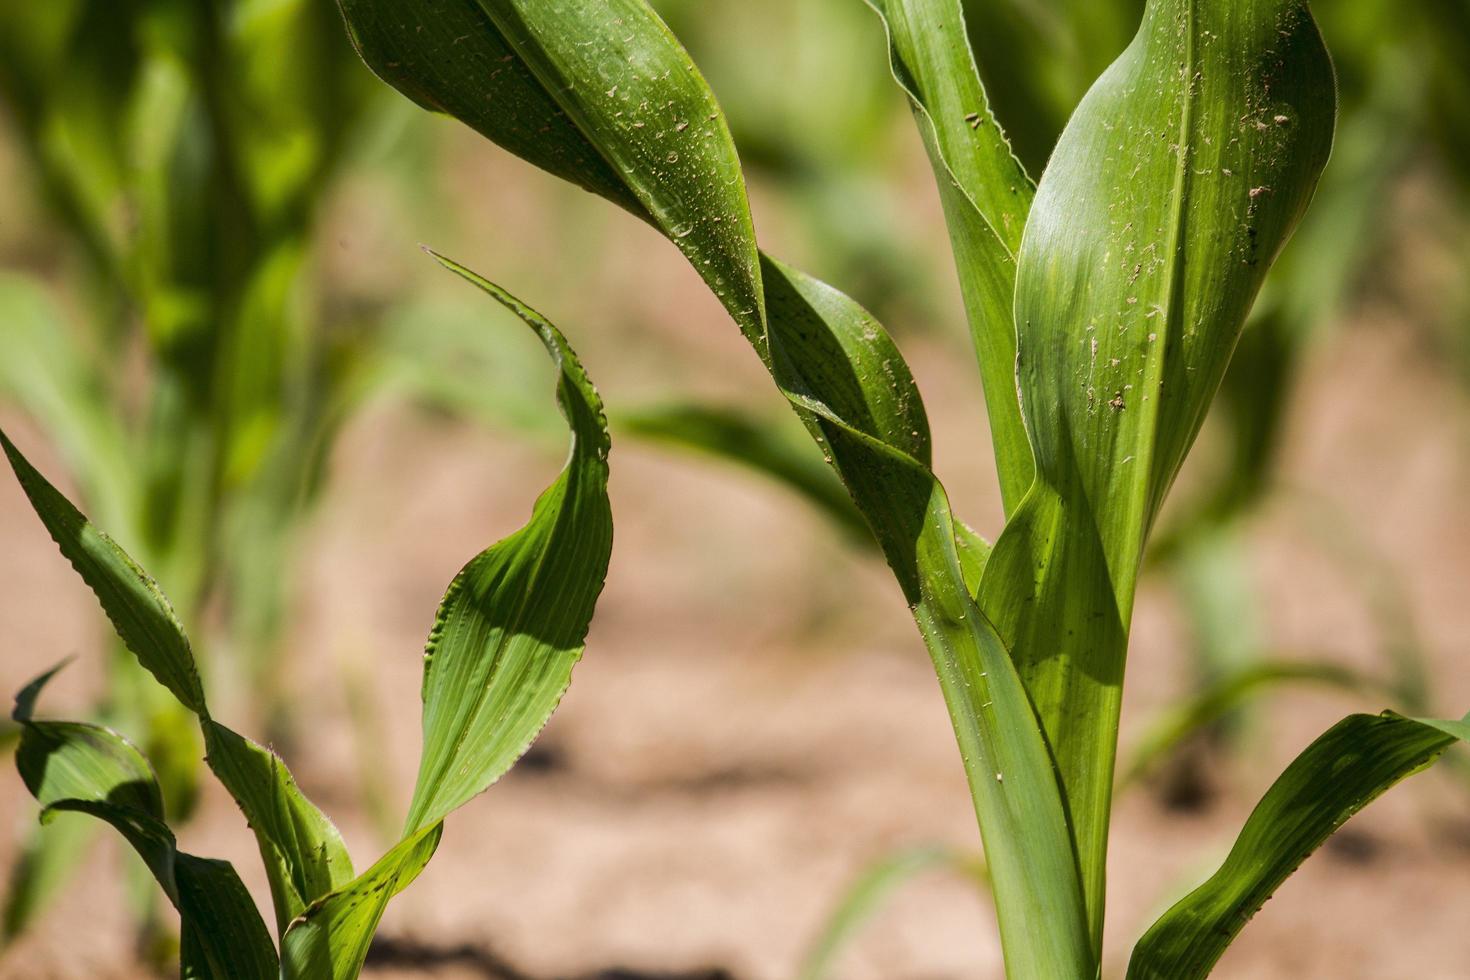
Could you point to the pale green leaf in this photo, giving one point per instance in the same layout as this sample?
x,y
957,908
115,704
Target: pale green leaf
x,y
1227,692
330,940
867,893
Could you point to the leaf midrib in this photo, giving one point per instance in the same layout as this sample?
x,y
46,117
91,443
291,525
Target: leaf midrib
x,y
1140,492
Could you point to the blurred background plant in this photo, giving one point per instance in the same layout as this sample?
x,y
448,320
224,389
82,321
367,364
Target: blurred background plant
x,y
162,325
177,322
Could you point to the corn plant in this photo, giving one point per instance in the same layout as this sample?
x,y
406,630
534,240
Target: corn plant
x,y
182,149
1104,303
499,657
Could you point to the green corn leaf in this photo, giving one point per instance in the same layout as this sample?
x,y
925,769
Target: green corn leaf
x,y
625,114
330,940
866,895
986,197
76,768
514,621
840,371
499,658
1167,198
1344,770
846,379
139,611
304,854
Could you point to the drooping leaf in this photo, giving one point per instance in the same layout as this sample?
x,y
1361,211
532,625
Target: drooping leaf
x,y
611,67
302,849
986,196
1344,770
1167,198
71,767
621,111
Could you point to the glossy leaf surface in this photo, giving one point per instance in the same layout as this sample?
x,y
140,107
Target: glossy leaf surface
x,y
499,658
848,383
1169,194
986,196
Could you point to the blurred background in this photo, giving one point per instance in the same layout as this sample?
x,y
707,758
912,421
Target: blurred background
x,y
218,332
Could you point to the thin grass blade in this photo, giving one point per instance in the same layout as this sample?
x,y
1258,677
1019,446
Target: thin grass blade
x,y
867,893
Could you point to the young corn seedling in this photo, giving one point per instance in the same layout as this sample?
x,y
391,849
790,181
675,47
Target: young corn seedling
x,y
1104,303
500,655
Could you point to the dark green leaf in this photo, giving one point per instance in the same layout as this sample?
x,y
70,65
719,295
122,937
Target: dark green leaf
x,y
301,848
72,767
1344,770
627,86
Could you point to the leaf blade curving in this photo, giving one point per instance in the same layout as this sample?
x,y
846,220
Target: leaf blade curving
x,y
1345,769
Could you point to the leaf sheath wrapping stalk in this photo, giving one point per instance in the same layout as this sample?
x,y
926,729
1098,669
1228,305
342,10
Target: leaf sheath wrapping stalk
x,y
1172,188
